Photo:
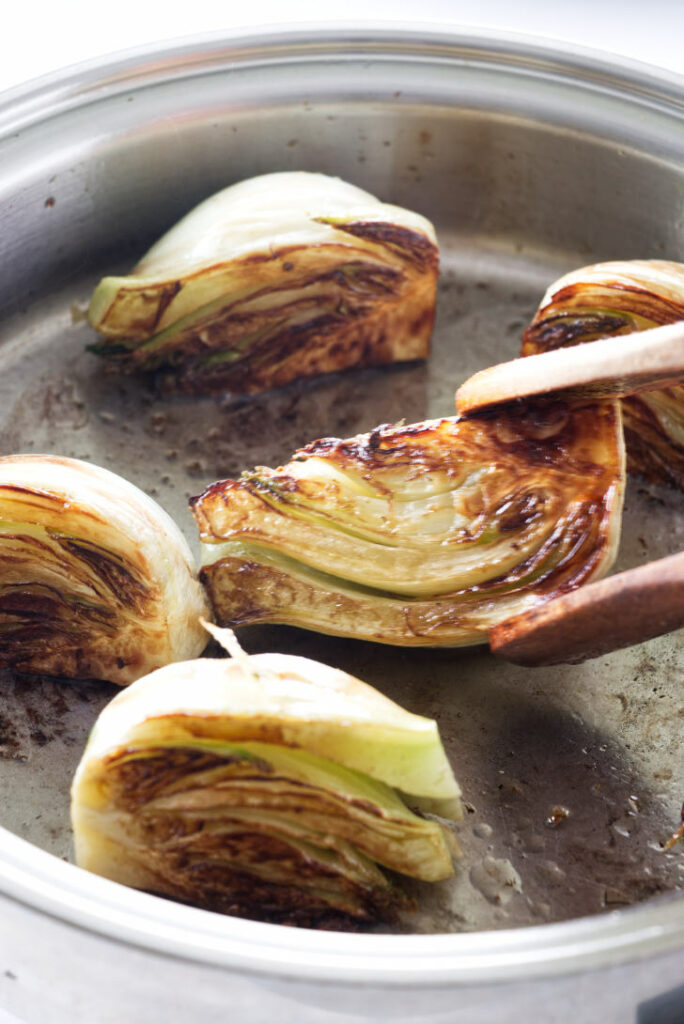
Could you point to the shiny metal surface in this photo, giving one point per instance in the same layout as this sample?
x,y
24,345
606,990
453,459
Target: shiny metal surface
x,y
530,162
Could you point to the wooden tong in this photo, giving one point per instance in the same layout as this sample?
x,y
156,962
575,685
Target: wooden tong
x,y
610,368
631,606
620,611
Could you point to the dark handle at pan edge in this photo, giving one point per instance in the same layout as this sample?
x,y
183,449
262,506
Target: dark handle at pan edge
x,y
617,612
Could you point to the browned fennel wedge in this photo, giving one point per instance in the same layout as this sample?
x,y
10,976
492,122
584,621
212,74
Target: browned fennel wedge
x,y
618,298
96,580
267,786
279,277
423,535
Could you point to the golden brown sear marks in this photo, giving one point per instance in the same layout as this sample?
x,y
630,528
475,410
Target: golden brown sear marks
x,y
63,598
543,479
405,243
134,780
561,330
297,311
222,863
199,881
124,583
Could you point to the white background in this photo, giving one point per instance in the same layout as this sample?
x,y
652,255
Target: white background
x,y
39,36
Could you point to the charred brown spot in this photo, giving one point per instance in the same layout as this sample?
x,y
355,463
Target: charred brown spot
x,y
32,497
39,621
621,297
32,601
134,781
565,329
127,588
322,446
409,245
168,294
384,440
198,880
519,512
374,440
566,559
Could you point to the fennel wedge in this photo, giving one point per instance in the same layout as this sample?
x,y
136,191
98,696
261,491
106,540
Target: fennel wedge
x,y
421,535
283,276
96,580
618,298
267,786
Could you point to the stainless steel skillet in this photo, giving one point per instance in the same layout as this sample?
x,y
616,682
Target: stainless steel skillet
x,y
530,161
